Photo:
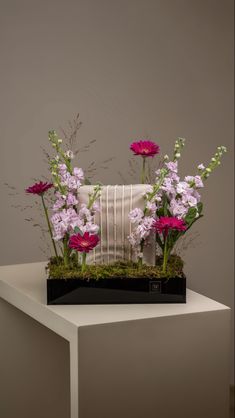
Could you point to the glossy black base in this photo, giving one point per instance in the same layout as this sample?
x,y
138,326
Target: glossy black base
x,y
115,291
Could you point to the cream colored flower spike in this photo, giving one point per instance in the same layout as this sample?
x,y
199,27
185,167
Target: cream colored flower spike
x,y
115,205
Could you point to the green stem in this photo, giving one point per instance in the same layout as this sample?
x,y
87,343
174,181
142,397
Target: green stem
x,y
94,196
140,259
66,251
165,256
83,262
143,171
49,225
156,187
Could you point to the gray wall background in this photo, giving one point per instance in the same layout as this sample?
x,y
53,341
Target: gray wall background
x,y
132,68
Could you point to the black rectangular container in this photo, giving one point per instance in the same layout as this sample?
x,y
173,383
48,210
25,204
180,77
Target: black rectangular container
x,y
115,290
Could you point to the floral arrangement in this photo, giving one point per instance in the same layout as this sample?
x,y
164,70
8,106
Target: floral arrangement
x,y
72,226
172,205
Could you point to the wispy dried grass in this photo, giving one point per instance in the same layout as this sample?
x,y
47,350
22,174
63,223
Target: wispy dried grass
x,y
70,136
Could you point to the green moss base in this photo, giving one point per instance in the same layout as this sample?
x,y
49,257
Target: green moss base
x,y
57,270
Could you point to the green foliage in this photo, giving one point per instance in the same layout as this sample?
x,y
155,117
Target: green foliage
x,y
119,269
200,207
214,162
77,230
193,215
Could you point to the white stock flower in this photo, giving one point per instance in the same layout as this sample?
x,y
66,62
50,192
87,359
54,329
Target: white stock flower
x,y
136,215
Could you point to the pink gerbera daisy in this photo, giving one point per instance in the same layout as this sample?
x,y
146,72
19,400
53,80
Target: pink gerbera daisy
x,y
83,243
145,148
39,188
166,223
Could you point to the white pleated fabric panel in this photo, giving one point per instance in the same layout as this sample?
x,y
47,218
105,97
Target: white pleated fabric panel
x,y
115,205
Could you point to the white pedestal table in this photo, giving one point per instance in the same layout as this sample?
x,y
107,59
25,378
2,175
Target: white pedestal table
x,y
125,361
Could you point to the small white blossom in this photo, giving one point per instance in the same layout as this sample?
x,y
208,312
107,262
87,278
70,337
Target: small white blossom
x,y
69,154
136,215
201,167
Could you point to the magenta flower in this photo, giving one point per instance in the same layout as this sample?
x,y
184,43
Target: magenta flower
x,y
145,148
83,243
167,223
39,188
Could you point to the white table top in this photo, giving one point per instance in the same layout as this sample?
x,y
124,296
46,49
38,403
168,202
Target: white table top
x,y
24,286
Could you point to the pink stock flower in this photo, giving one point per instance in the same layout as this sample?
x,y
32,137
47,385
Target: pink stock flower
x,y
172,166
145,148
71,200
136,215
166,223
39,188
83,243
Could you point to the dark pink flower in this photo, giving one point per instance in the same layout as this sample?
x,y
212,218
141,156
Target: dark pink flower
x,y
83,243
39,188
166,223
145,148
